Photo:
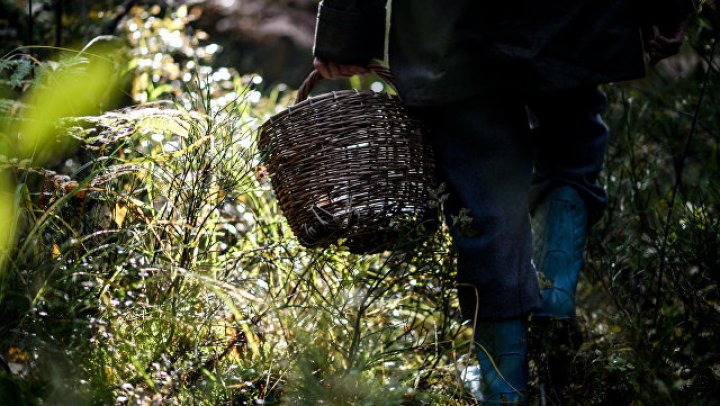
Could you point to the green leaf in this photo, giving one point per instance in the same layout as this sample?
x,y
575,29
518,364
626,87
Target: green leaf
x,y
22,70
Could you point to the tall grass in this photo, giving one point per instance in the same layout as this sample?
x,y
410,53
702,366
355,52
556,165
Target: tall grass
x,y
651,296
152,266
156,268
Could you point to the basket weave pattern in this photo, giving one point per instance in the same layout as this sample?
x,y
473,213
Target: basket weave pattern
x,y
348,164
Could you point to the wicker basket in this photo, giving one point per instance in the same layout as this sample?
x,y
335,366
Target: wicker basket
x,y
349,165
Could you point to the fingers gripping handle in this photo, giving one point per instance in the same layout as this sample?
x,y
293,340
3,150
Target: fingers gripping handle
x,y
315,76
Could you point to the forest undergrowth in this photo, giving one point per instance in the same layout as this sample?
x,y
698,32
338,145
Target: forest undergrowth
x,y
145,260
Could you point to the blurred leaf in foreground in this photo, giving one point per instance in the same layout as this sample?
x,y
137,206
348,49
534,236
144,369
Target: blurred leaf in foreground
x,y
7,218
80,85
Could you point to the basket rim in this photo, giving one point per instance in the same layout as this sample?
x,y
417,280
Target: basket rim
x,y
337,94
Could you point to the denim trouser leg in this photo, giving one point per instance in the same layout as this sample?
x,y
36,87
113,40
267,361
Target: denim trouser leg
x,y
484,154
570,139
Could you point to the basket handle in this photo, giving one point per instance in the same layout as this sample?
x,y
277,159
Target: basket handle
x,y
376,67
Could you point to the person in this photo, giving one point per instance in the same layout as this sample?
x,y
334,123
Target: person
x,y
509,93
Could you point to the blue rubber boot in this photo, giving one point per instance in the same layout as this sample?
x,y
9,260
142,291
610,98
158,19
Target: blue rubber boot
x,y
559,228
501,348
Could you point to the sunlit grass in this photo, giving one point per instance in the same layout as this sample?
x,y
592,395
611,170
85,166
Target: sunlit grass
x,y
80,85
152,264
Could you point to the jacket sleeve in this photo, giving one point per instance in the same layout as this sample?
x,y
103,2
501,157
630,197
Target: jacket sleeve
x,y
350,31
666,12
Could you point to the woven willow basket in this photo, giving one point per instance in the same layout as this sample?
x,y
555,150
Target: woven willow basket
x,y
350,165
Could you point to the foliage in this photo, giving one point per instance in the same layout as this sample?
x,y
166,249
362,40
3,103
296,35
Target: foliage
x,y
152,266
652,294
30,23
156,267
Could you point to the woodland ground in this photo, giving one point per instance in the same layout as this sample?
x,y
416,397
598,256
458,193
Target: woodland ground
x,y
144,259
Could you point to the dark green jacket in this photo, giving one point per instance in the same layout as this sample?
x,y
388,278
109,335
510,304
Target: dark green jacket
x,y
442,51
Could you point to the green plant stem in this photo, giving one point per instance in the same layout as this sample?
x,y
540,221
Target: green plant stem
x,y
678,182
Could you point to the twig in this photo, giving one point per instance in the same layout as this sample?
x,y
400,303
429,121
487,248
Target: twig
x,y
676,187
30,23
58,22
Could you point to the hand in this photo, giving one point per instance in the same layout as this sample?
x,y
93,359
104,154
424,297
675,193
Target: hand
x,y
332,70
662,42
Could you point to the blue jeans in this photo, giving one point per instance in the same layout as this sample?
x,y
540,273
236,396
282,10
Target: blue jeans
x,y
499,155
